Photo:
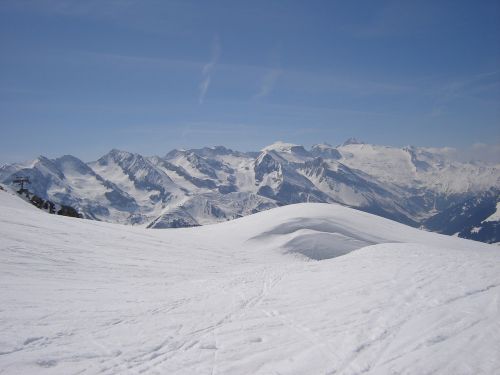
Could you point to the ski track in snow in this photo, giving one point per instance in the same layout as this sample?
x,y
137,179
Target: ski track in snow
x,y
83,297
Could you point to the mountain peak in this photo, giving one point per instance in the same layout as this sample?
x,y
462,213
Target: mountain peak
x,y
115,153
325,151
352,141
72,163
42,159
289,151
68,158
174,153
322,146
281,147
115,156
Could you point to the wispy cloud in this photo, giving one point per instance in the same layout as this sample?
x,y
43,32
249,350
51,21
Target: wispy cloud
x,y
475,84
208,69
482,87
268,82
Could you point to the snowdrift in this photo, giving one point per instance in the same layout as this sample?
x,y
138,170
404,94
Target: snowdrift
x,y
247,296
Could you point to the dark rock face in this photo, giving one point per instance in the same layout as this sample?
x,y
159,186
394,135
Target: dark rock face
x,y
68,211
49,206
177,219
467,218
488,232
325,152
419,164
265,164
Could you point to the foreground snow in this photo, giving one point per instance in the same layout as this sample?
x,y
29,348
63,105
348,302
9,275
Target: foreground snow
x,y
244,297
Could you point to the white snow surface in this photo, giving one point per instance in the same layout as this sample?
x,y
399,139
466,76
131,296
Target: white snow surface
x,y
244,297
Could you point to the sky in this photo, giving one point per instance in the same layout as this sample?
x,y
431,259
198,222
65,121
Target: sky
x,y
83,77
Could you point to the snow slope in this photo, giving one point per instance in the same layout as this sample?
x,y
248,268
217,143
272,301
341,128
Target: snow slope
x,y
244,297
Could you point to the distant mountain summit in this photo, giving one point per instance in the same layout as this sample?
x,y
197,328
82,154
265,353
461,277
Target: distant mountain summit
x,y
325,151
352,141
412,185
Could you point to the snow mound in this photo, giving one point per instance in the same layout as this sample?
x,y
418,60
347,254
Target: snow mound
x,y
318,239
319,246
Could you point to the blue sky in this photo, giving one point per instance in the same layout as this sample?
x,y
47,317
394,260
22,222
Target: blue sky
x,y
82,77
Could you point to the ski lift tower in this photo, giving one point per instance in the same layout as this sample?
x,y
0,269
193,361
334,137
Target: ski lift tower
x,y
21,180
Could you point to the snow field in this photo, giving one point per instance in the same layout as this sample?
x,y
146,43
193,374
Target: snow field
x,y
244,297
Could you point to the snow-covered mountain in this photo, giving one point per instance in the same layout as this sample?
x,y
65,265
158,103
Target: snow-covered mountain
x,y
302,289
208,185
476,218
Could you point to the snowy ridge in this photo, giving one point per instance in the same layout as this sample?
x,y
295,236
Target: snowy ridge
x,y
243,297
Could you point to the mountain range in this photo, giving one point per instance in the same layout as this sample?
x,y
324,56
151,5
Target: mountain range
x,y
416,186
